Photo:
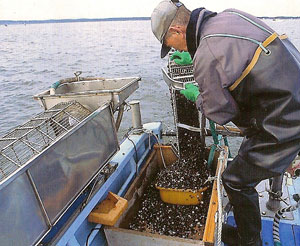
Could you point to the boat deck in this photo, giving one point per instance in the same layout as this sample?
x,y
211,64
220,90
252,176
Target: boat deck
x,y
289,228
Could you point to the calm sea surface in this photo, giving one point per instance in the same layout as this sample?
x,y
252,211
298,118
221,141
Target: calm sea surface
x,y
34,56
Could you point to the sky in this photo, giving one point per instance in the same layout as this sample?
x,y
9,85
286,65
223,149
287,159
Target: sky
x,y
74,9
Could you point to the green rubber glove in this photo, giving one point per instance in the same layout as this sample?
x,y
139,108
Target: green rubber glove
x,y
182,58
191,92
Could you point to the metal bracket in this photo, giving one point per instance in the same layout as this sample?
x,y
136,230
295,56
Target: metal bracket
x,y
262,189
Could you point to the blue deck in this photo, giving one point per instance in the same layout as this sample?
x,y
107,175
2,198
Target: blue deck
x,y
289,230
289,233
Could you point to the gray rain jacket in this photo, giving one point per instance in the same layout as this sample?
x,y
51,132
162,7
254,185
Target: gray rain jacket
x,y
250,75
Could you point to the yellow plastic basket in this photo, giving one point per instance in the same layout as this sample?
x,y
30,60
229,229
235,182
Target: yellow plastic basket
x,y
181,196
109,210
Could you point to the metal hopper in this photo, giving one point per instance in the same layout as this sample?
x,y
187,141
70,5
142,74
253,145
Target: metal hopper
x,y
91,92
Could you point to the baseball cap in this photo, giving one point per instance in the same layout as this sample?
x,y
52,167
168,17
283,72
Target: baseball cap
x,y
161,19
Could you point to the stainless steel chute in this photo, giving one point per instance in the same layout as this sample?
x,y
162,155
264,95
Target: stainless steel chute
x,y
91,92
46,163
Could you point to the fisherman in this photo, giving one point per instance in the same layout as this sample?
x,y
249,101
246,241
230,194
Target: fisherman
x,y
247,74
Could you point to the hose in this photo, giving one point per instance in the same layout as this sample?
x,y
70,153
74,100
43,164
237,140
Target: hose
x,y
278,216
227,144
54,87
150,133
214,146
55,84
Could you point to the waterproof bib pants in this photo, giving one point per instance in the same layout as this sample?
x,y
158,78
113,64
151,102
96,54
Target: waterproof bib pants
x,y
268,97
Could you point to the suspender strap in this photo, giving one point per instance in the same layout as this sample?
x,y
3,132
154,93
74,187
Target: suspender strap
x,y
261,46
254,60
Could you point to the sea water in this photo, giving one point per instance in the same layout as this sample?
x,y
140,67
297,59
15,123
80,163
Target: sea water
x,y
34,56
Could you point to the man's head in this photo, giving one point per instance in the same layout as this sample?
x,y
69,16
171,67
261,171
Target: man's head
x,y
169,21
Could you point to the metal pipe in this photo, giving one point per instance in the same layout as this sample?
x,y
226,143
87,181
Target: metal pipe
x,y
275,193
206,132
170,133
136,114
120,116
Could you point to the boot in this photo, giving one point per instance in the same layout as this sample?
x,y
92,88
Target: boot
x,y
253,242
230,235
245,202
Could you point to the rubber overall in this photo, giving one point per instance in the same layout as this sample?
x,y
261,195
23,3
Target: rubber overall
x,y
269,102
263,100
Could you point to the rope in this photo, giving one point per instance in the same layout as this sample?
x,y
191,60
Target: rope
x,y
159,145
221,160
150,133
220,214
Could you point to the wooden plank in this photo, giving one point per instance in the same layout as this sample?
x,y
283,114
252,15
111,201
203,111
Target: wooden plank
x,y
137,182
168,154
210,224
124,237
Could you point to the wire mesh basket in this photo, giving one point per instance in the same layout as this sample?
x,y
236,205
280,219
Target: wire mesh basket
x,y
180,73
27,140
176,76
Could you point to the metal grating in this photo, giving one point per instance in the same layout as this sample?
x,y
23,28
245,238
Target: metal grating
x,y
31,138
179,72
187,141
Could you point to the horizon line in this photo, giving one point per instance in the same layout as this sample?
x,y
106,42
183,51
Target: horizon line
x,y
9,22
71,20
